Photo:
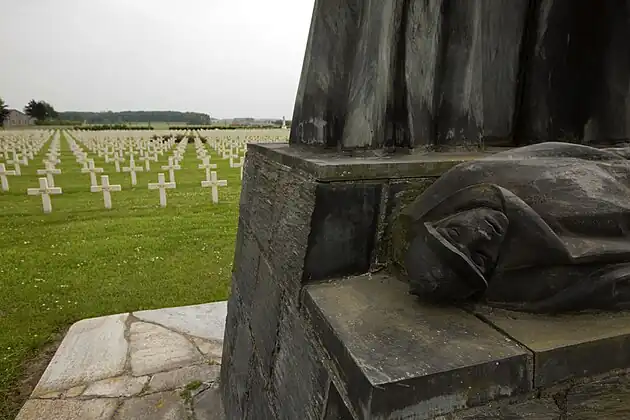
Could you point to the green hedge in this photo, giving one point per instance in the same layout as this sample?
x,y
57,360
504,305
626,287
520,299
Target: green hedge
x,y
217,127
106,127
58,122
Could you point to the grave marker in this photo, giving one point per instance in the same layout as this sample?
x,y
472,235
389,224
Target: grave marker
x,y
45,191
49,171
16,165
132,169
106,189
171,168
117,160
207,166
3,177
92,170
214,184
162,185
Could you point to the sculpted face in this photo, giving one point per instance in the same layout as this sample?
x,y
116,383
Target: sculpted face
x,y
456,255
476,233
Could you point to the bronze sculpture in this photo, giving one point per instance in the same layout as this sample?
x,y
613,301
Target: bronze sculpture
x,y
451,73
542,228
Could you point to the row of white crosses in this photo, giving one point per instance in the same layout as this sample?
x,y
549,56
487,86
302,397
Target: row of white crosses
x,y
211,179
228,149
17,150
106,188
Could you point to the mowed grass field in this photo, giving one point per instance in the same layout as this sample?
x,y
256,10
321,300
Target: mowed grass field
x,y
84,261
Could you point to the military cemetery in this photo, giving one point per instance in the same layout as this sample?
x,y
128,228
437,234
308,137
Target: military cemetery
x,y
440,232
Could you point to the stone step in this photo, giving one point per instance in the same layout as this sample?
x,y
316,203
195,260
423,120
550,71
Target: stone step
x,y
157,364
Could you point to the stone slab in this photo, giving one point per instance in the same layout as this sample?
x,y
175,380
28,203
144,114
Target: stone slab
x,y
205,321
536,409
74,392
179,378
96,409
330,165
159,406
211,349
606,398
122,386
395,355
156,349
93,349
567,346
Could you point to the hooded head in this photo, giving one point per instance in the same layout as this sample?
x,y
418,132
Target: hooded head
x,y
451,260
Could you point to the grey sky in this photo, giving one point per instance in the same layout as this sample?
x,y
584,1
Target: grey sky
x,y
227,58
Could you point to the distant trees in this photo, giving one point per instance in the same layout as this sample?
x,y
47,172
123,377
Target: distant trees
x,y
109,117
4,111
40,110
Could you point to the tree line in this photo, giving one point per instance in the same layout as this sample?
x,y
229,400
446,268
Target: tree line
x,y
45,114
109,117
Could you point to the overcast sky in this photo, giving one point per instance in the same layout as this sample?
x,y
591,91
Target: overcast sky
x,y
227,58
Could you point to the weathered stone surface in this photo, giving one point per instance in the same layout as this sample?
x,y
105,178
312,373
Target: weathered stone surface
x,y
329,166
246,267
261,200
208,405
607,398
343,229
160,406
298,395
265,314
155,349
122,386
50,395
93,349
96,409
258,406
181,377
74,392
567,346
407,74
204,321
536,409
211,349
291,227
399,356
237,360
336,409
394,242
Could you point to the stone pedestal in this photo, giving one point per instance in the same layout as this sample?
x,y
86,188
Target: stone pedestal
x,y
320,327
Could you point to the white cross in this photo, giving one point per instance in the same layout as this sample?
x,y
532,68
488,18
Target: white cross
x,y
17,161
16,165
3,177
162,185
236,165
207,166
49,172
45,191
117,159
171,168
81,157
132,168
214,183
147,161
106,189
92,171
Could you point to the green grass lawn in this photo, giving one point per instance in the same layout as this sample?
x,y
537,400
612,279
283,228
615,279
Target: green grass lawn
x,y
85,261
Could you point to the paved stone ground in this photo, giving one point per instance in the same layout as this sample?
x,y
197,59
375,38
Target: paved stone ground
x,y
159,365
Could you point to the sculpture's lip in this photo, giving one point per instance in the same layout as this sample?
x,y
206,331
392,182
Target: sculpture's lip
x,y
461,263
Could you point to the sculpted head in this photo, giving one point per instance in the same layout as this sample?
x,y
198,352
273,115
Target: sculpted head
x,y
452,258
